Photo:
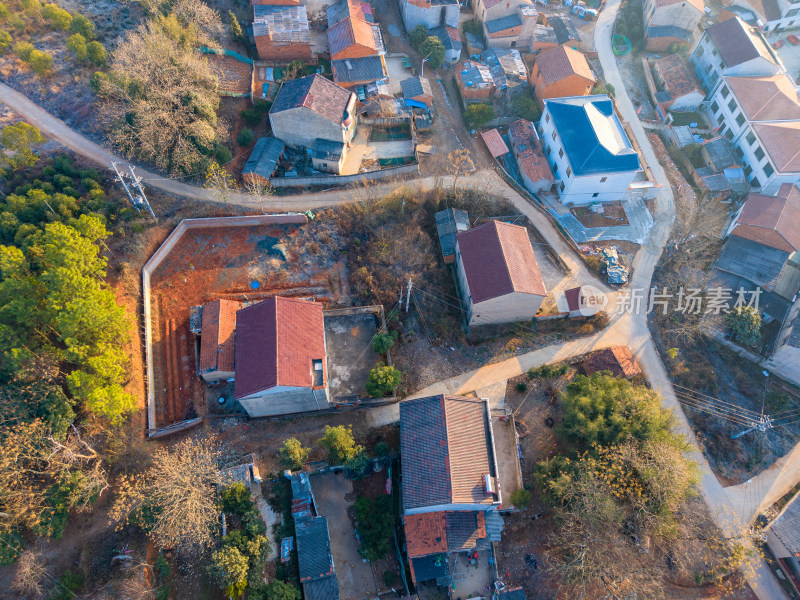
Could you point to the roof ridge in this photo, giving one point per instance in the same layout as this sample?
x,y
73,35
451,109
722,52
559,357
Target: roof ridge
x,y
277,345
442,404
503,251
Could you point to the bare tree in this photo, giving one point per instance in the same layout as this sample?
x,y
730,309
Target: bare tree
x,y
459,165
30,574
259,189
180,491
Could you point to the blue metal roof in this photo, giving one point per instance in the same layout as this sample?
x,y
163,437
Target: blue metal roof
x,y
503,23
668,31
592,135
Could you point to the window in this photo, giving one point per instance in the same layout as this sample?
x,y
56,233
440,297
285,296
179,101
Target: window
x,y
555,170
562,186
748,171
547,118
714,107
561,153
569,171
768,169
755,182
740,120
548,151
759,153
554,134
603,179
732,105
595,195
700,51
751,139
714,51
725,91
513,44
722,128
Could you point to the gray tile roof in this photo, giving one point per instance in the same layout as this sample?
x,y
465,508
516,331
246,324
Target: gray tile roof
x,y
314,549
327,150
321,589
787,527
366,68
448,223
474,40
416,86
315,93
516,593
721,153
668,31
564,29
425,568
503,23
264,158
753,261
444,36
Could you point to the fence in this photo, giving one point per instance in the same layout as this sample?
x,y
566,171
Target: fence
x,y
287,182
155,260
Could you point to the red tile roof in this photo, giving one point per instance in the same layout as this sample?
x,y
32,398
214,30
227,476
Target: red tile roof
x,y
494,142
276,342
781,142
677,79
217,335
447,451
528,151
617,359
443,531
766,98
772,221
558,63
498,259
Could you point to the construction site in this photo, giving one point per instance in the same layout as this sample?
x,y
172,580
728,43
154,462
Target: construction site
x,y
246,259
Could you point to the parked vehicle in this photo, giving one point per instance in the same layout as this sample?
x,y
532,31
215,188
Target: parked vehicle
x,y
777,44
793,40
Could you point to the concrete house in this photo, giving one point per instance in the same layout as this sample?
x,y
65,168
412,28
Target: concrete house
x,y
674,78
429,13
671,21
783,536
762,252
498,274
328,156
280,357
263,160
475,82
515,30
352,31
561,72
781,16
509,73
761,117
489,10
449,223
527,150
732,48
417,92
354,72
589,152
312,108
281,32
450,491
451,40
564,30
217,340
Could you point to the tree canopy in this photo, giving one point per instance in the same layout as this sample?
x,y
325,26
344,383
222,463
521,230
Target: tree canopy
x,y
21,140
433,49
340,444
745,325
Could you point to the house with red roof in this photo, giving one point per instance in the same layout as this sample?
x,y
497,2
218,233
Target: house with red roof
x,y
280,357
451,492
216,342
561,72
531,161
498,274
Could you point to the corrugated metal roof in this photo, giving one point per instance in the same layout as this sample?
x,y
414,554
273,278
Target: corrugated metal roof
x,y
668,31
282,23
721,153
264,157
498,259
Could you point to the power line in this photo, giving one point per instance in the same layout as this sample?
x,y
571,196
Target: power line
x,y
741,413
712,398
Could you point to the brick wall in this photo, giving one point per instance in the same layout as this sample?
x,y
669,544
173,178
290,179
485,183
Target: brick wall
x,y
283,52
574,85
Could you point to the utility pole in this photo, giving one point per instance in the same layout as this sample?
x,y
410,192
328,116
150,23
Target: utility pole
x,y
136,196
121,179
408,293
137,183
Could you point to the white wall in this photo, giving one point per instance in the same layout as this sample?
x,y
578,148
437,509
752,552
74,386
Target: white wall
x,y
790,19
301,126
710,67
509,308
688,101
430,17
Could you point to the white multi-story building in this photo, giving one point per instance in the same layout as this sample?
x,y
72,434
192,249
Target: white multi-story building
x,y
733,48
589,152
761,117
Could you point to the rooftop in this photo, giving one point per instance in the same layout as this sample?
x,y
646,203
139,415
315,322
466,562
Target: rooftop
x,y
781,142
698,4
766,98
498,259
564,29
475,74
443,531
447,451
448,223
216,339
528,151
277,341
737,42
264,157
352,31
490,3
506,65
349,8
787,527
677,79
752,261
592,135
315,93
366,68
416,86
282,23
449,36
314,549
772,221
494,142
617,359
561,62
327,150
721,153
668,31
503,23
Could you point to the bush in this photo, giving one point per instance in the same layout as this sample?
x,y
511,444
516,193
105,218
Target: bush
x,y
293,454
375,526
57,16
358,464
521,386
40,62
10,548
418,35
389,578
98,82
68,584
382,380
223,154
521,498
383,342
24,50
433,49
548,371
340,444
262,106
476,115
252,116
275,590
381,448
745,325
525,107
76,44
245,137
84,26
5,41
97,53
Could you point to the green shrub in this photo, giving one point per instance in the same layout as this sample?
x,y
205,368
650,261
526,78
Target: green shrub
x,y
84,26
24,50
293,454
97,53
521,498
548,371
41,62
10,548
521,386
340,444
57,16
375,525
68,584
382,380
76,44
389,578
477,115
381,448
383,342
223,154
5,41
252,117
4,12
245,137
262,106
99,82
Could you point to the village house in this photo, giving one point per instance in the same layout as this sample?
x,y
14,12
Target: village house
x,y
732,48
498,275
780,16
327,156
561,72
217,340
312,108
417,92
281,32
450,491
429,13
676,82
449,223
668,22
514,30
761,117
509,73
494,143
527,150
451,40
281,357
352,31
564,30
490,10
589,152
761,251
474,81
263,160
783,537
354,72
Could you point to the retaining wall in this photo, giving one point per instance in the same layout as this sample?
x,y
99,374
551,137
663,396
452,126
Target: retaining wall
x,y
286,182
155,260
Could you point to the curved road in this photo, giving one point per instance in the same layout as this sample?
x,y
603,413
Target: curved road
x,y
628,329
